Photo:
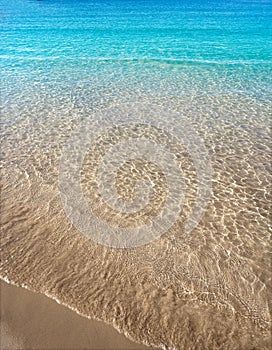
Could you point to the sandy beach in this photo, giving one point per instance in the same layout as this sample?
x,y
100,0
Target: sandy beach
x,y
33,321
136,175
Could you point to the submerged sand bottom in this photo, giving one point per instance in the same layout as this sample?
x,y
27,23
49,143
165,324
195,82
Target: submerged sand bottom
x,y
33,321
207,290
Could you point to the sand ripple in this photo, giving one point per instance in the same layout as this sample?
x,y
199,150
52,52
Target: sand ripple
x,y
208,290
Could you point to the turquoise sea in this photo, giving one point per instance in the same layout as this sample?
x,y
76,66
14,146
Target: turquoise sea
x,y
168,47
70,63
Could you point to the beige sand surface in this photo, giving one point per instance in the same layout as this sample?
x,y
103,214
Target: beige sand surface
x,y
33,321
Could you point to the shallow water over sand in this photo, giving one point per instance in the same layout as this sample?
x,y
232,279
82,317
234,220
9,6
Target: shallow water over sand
x,y
209,289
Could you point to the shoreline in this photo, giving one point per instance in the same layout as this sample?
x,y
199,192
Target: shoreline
x,y
32,320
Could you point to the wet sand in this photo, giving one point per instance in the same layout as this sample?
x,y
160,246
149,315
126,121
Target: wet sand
x,y
33,321
207,290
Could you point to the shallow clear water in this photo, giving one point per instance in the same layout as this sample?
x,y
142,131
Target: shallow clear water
x,y
167,70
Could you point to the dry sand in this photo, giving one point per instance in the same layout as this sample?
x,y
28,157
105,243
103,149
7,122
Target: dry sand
x,y
33,321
